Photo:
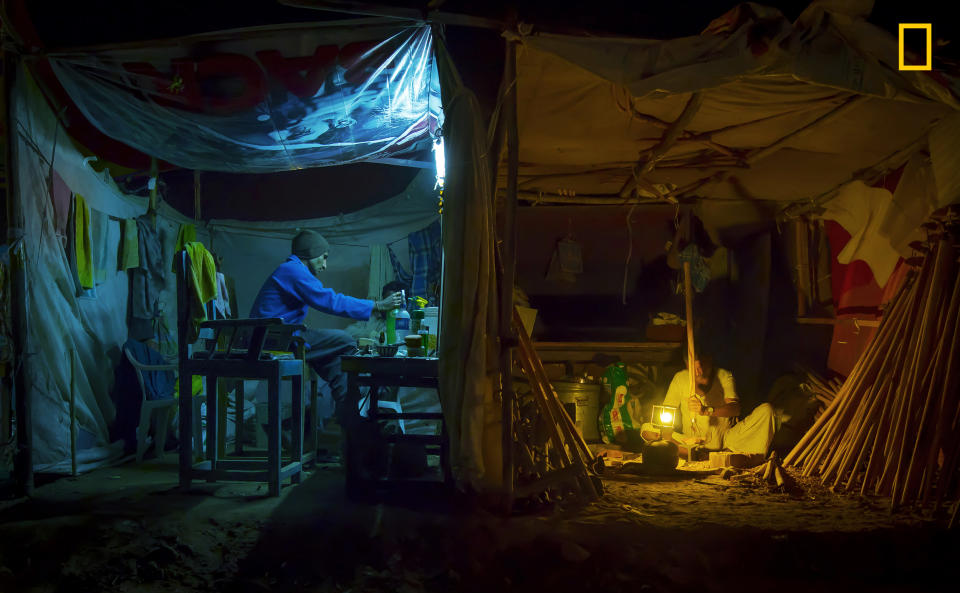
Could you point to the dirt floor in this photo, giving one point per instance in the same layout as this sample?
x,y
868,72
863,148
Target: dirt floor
x,y
130,528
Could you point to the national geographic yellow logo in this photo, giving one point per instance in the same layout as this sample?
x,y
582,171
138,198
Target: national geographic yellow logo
x,y
928,65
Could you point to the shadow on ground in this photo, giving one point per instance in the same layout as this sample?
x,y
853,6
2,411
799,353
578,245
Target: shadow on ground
x,y
130,529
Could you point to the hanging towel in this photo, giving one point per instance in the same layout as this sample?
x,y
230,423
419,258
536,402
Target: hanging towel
x,y
101,253
84,251
204,276
203,281
222,302
381,271
129,245
187,234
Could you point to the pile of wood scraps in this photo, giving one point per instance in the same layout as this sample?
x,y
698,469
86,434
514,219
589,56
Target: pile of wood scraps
x,y
823,389
551,459
771,474
893,427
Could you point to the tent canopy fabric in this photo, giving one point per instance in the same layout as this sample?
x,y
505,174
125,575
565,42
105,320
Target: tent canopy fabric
x,y
773,111
263,100
88,331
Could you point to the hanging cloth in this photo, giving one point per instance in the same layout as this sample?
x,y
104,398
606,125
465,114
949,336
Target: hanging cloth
x,y
186,234
426,251
203,282
222,303
99,250
82,243
148,276
129,244
699,267
398,268
381,271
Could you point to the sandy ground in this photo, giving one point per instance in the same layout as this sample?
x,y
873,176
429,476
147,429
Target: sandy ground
x,y
131,529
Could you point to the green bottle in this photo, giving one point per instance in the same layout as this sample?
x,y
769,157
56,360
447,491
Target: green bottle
x,y
392,326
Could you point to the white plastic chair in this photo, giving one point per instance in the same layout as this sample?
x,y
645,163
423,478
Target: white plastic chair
x,y
165,408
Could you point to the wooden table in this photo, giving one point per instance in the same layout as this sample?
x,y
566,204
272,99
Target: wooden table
x,y
214,467
380,371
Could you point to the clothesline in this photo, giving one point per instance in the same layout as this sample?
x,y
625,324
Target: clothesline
x,y
395,241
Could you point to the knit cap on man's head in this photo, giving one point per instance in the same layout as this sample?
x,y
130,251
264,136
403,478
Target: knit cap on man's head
x,y
309,244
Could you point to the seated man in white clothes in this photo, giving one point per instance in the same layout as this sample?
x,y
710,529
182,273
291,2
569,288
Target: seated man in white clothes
x,y
706,418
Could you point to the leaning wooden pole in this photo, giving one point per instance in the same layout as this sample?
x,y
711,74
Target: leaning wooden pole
x,y
23,458
691,352
154,183
73,414
509,260
197,213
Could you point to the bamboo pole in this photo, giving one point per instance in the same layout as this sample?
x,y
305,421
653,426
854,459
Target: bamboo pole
x,y
568,456
813,436
73,415
803,259
875,461
917,293
155,182
670,136
898,408
197,213
922,440
691,352
579,453
871,436
509,262
920,353
948,397
869,399
22,388
853,438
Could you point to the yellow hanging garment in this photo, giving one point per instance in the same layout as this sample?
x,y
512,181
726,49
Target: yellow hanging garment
x,y
203,281
186,234
81,216
204,272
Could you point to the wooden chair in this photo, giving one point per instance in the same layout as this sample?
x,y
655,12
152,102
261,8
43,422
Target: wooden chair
x,y
238,350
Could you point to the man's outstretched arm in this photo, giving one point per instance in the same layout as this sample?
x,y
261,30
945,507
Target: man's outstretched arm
x,y
314,294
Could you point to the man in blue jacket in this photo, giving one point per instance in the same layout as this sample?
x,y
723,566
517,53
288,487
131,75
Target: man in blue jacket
x,y
295,286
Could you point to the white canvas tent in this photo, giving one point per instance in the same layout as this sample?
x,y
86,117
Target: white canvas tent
x,y
92,329
752,116
73,343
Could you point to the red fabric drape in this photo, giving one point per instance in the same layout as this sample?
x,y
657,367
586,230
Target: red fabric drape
x,y
856,295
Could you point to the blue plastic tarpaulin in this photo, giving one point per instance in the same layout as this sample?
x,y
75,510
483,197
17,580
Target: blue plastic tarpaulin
x,y
265,100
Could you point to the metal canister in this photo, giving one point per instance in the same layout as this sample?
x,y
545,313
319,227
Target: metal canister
x,y
580,397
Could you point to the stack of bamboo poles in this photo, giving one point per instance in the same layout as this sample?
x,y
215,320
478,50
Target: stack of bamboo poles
x,y
893,428
562,462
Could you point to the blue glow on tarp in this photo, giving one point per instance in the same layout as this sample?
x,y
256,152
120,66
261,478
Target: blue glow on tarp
x,y
259,105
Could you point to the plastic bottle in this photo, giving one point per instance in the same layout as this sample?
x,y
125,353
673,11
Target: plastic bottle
x,y
416,319
392,326
401,320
